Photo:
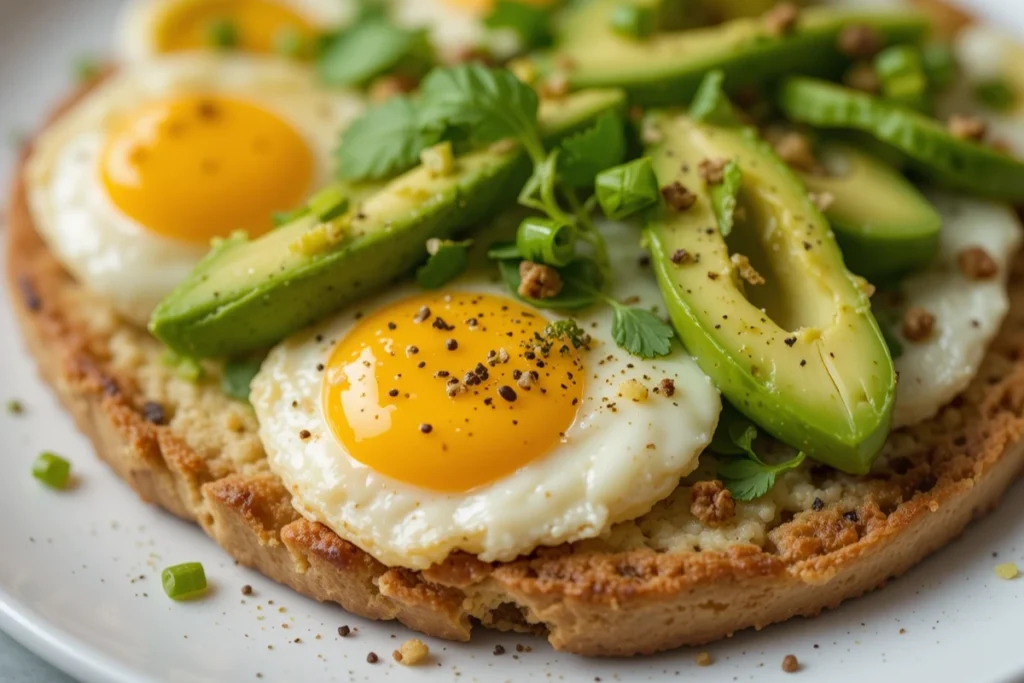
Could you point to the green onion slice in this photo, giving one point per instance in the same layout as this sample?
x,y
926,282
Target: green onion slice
x,y
184,581
52,470
543,240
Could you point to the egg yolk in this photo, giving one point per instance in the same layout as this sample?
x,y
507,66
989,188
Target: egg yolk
x,y
482,7
450,392
257,25
198,167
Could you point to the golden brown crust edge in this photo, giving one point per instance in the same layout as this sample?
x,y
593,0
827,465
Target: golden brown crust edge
x,y
943,473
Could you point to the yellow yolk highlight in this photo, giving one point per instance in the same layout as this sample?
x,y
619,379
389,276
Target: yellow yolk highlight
x,y
197,167
482,7
258,24
390,397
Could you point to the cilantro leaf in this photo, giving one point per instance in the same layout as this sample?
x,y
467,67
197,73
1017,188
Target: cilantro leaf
x,y
735,433
368,49
591,151
640,332
725,195
711,104
532,24
749,478
447,261
385,140
238,376
490,104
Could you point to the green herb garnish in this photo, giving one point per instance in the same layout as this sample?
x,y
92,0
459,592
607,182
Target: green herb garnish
x,y
591,151
580,282
741,470
285,217
386,140
632,21
626,189
532,24
711,104
447,261
184,581
367,50
223,34
547,241
568,329
640,332
725,195
902,74
939,64
52,470
995,94
184,367
328,204
237,377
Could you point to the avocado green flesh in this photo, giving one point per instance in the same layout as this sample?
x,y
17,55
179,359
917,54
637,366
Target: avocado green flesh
x,y
829,390
248,295
884,225
667,68
931,148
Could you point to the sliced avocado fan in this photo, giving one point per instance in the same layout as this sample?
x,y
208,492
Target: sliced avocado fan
x,y
929,145
885,227
250,294
769,312
666,68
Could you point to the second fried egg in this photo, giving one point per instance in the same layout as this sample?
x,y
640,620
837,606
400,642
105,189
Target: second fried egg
x,y
130,186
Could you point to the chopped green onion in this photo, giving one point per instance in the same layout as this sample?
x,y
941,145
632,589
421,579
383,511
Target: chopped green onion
x,y
710,102
222,33
939,64
87,69
184,367
628,188
52,470
285,217
328,204
632,21
995,94
902,75
543,240
439,160
184,581
288,42
725,196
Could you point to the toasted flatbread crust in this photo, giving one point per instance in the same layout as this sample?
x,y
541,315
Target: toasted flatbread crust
x,y
933,480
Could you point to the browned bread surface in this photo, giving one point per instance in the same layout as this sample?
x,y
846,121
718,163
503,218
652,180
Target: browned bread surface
x,y
662,581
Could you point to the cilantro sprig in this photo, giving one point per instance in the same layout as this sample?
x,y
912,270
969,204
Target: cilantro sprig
x,y
742,470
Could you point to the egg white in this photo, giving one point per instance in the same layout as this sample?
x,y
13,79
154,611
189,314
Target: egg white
x,y
140,21
968,313
452,31
603,472
105,249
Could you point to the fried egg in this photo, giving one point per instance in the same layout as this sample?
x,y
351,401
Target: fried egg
x,y
154,27
413,427
967,311
129,187
456,26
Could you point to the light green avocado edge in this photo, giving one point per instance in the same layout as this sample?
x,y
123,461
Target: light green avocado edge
x,y
846,439
667,68
927,143
884,226
247,295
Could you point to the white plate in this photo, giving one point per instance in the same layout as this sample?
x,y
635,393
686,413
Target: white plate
x,y
79,576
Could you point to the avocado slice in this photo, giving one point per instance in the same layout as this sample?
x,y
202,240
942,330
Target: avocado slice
x,y
883,224
247,295
930,147
667,68
801,353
